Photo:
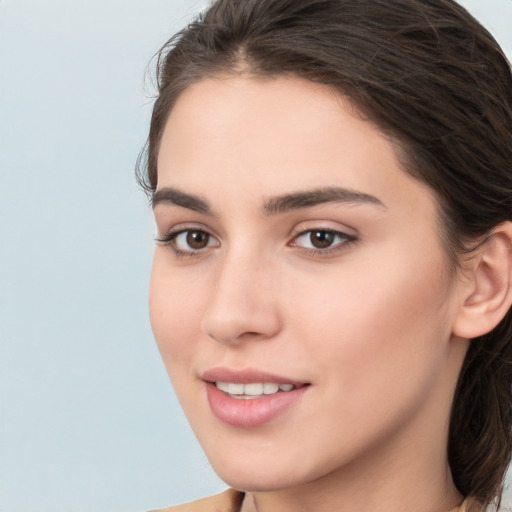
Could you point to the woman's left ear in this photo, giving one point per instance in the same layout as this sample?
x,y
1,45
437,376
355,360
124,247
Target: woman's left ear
x,y
487,285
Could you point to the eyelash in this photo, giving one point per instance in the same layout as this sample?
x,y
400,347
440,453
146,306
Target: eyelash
x,y
169,239
345,241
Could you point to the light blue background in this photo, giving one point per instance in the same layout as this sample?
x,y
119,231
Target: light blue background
x,y
88,420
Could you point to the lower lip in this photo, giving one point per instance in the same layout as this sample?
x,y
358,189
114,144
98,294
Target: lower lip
x,y
252,412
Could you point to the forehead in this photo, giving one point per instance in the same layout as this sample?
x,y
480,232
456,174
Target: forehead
x,y
262,136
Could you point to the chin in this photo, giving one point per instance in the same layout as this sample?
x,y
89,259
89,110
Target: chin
x,y
251,482
253,475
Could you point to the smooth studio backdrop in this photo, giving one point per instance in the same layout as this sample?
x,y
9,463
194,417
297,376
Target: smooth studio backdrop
x,y
88,420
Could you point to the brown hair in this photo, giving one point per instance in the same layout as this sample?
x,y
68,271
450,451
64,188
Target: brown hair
x,y
437,83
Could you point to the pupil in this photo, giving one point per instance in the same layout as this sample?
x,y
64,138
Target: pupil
x,y
322,239
197,239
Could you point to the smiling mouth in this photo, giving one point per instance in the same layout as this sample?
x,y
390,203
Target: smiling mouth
x,y
250,398
254,390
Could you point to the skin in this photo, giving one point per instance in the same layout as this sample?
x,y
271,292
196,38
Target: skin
x,y
367,322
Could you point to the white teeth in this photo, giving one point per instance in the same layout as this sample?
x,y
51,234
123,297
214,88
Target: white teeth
x,y
235,389
253,389
269,388
223,386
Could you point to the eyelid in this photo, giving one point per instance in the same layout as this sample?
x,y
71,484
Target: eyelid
x,y
323,225
346,239
166,233
169,238
343,235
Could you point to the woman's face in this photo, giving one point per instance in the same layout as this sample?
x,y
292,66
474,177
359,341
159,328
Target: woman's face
x,y
295,253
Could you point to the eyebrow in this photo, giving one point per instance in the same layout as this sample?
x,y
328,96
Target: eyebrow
x,y
170,195
275,205
318,196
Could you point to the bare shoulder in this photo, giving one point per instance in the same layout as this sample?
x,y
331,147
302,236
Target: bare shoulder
x,y
227,501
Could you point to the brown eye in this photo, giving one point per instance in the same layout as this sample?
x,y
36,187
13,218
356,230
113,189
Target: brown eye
x,y
321,239
190,241
197,239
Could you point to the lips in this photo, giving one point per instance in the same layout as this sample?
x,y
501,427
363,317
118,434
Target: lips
x,y
250,398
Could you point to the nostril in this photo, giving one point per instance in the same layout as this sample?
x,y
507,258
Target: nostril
x,y
251,335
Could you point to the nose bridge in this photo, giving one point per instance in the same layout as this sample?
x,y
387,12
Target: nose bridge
x,y
243,299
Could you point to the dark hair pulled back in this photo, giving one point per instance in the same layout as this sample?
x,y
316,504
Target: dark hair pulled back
x,y
438,84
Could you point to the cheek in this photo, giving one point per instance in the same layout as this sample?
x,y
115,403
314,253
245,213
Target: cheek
x,y
175,312
378,327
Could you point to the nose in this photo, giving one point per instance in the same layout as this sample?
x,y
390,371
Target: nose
x,y
243,304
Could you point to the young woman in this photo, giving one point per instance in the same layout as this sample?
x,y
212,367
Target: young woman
x,y
331,288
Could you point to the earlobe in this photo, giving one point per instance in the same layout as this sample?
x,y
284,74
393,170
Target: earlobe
x,y
487,294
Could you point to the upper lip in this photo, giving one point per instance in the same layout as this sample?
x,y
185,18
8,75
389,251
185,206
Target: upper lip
x,y
246,376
